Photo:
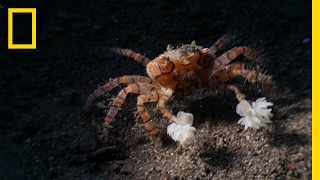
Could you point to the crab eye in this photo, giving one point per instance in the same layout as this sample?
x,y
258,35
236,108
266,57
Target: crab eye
x,y
165,66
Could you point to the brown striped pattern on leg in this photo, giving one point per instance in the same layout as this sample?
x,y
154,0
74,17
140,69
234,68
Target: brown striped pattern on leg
x,y
229,87
237,69
114,83
227,57
136,56
117,102
225,74
151,92
218,45
253,76
154,96
161,104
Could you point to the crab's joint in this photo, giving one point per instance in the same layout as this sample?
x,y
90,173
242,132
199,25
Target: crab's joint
x,y
205,50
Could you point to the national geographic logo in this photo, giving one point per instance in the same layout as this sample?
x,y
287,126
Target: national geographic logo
x,y
22,11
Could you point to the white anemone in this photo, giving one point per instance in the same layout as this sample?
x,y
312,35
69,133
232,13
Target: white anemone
x,y
255,116
182,130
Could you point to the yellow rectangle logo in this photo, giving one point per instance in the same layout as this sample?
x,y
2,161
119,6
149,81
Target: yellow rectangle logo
x,y
10,28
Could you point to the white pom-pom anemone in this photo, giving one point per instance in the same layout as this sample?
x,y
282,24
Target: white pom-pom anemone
x,y
182,130
255,116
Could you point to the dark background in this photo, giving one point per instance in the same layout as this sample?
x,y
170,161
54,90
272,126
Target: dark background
x,y
22,28
45,133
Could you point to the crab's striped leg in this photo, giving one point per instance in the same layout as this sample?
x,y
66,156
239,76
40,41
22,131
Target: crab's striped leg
x,y
136,56
218,45
114,83
237,69
166,96
229,87
222,61
137,88
155,94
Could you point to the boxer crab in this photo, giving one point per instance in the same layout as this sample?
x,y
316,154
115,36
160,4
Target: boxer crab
x,y
182,70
